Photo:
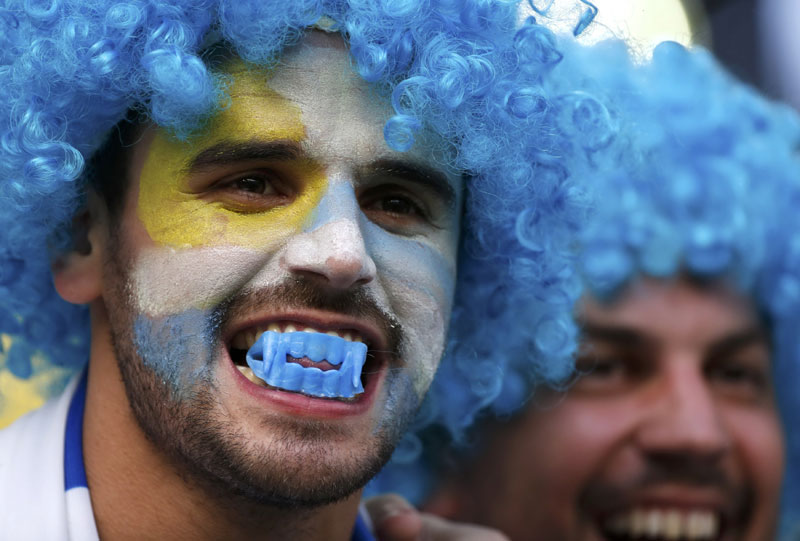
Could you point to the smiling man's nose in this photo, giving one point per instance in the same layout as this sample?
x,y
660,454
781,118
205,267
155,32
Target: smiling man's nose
x,y
333,253
686,419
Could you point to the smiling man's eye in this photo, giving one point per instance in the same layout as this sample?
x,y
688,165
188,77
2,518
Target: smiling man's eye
x,y
742,380
399,206
253,184
394,208
253,191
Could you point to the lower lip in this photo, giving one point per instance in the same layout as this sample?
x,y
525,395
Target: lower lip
x,y
301,405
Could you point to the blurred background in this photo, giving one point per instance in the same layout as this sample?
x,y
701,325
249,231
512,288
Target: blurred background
x,y
758,40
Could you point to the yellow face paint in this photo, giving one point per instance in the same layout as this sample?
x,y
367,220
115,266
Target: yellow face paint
x,y
176,216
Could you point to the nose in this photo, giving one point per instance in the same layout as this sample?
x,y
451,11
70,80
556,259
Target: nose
x,y
683,419
332,251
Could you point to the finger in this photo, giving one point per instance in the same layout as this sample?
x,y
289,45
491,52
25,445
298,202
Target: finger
x,y
393,518
438,529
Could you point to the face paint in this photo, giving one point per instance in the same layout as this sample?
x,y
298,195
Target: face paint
x,y
268,358
169,206
358,244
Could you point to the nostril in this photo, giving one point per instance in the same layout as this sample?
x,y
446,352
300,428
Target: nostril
x,y
334,254
347,271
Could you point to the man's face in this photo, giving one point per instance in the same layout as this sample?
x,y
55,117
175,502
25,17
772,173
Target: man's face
x,y
288,213
670,433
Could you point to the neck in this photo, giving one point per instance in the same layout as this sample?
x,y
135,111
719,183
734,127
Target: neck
x,y
135,487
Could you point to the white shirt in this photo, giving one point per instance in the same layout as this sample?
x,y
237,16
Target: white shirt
x,y
35,502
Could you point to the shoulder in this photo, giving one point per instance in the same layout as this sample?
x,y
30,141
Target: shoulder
x,y
32,472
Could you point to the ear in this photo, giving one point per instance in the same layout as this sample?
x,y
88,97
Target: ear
x,y
78,273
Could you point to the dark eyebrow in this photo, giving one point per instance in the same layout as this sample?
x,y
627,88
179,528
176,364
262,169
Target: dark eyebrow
x,y
738,340
613,334
231,152
417,173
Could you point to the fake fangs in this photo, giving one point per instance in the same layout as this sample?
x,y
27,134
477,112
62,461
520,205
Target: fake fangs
x,y
244,340
664,524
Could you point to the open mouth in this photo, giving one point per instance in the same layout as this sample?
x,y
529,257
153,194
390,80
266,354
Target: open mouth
x,y
287,356
663,525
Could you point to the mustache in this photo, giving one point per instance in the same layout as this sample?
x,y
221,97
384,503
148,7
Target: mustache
x,y
299,293
684,470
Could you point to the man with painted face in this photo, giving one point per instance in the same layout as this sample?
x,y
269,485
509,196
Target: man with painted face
x,y
261,206
671,429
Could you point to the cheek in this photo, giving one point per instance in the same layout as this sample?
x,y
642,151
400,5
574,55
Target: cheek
x,y
180,348
758,438
584,442
166,281
418,279
175,217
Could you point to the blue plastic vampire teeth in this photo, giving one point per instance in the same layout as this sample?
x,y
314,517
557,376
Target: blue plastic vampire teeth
x,y
267,359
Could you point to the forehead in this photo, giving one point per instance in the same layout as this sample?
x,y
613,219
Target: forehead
x,y
674,310
312,97
315,89
342,116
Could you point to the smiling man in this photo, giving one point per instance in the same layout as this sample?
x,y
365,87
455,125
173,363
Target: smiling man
x,y
285,221
670,433
689,358
262,207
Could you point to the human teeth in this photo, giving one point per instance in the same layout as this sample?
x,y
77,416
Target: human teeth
x,y
248,373
637,523
666,524
652,523
712,525
672,525
245,339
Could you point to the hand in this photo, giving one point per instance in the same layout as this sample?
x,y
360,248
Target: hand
x,y
395,519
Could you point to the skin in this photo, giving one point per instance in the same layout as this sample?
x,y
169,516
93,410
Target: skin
x,y
289,207
395,519
675,410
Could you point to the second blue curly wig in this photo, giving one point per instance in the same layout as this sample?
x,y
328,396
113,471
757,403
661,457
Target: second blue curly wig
x,y
684,170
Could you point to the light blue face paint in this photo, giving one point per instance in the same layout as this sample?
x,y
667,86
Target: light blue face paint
x,y
179,348
267,359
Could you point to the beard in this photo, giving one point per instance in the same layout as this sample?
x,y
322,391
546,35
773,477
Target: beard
x,y
305,463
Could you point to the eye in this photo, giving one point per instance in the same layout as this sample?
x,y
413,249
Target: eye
x,y
252,191
740,379
253,184
602,373
399,206
394,208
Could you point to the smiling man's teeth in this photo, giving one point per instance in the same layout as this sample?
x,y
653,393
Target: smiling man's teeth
x,y
666,524
248,373
244,340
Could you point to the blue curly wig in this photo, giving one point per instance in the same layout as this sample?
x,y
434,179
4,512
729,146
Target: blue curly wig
x,y
70,70
703,178
686,171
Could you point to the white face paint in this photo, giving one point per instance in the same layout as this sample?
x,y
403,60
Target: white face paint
x,y
292,182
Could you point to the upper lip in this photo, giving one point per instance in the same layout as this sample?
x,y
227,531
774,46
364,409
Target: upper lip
x,y
319,320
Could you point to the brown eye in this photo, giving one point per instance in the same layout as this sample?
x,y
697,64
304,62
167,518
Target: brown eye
x,y
253,191
399,206
743,380
395,209
254,185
